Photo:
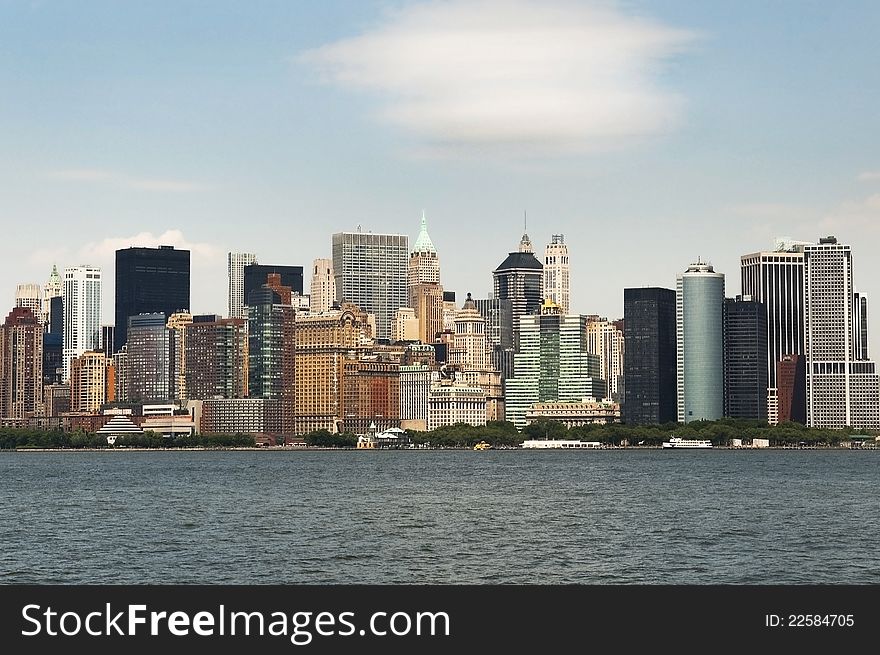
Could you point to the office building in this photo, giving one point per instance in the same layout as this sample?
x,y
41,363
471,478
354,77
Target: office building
x,y
148,360
323,286
370,394
552,364
606,340
82,312
271,351
649,360
30,296
842,390
235,265
700,343
150,281
53,289
371,272
557,273
520,280
745,351
216,358
288,280
21,364
791,376
89,382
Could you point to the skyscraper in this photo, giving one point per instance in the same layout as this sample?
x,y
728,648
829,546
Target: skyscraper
x,y
842,390
53,289
21,363
150,281
700,339
323,287
745,349
371,272
271,352
649,361
424,265
256,275
557,272
470,350
82,312
606,340
520,279
236,261
88,382
424,292
552,364
860,325
216,355
30,297
148,359
776,280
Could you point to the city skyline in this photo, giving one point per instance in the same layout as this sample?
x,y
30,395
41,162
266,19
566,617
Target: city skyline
x,y
258,131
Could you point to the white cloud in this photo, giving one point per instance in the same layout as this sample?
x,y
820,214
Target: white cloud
x,y
91,176
869,176
531,77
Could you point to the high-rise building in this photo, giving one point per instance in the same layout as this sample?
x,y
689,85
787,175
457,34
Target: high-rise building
x,y
405,326
451,403
323,343
82,312
499,332
649,361
429,310
700,343
88,382
148,361
552,364
424,265
150,281
108,340
177,335
216,356
606,340
415,383
53,359
371,272
842,390
470,350
21,364
30,296
287,279
370,394
557,273
791,376
271,352
776,280
53,289
520,280
323,287
745,349
235,263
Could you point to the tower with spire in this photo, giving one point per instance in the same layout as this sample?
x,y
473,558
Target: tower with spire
x,y
53,289
557,275
423,284
520,279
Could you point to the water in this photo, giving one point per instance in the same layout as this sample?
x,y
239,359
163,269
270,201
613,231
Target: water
x,y
401,517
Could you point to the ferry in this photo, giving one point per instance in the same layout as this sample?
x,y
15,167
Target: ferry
x,y
678,442
561,443
483,445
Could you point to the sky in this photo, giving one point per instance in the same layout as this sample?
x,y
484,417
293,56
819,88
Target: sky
x,y
648,133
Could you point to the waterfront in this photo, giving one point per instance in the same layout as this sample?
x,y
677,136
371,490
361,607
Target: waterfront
x,y
501,516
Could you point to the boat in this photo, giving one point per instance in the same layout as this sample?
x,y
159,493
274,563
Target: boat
x,y
678,442
483,445
561,443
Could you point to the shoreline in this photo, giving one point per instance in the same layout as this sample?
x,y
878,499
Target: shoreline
x,y
289,449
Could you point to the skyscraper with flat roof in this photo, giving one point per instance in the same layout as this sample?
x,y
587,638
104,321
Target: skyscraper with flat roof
x,y
235,264
700,343
148,281
649,360
82,312
745,349
372,272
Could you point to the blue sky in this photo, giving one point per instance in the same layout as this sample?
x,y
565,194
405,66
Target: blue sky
x,y
649,133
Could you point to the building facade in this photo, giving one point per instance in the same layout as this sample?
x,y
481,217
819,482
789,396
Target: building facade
x,y
700,343
370,394
649,361
82,312
21,364
371,271
450,403
519,279
235,264
557,273
88,382
216,359
150,281
323,286
606,340
53,289
745,352
841,389
148,361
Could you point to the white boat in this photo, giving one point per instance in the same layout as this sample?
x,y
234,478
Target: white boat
x,y
678,442
561,443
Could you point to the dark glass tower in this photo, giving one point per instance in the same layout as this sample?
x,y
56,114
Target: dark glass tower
x,y
520,279
649,363
149,280
745,359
